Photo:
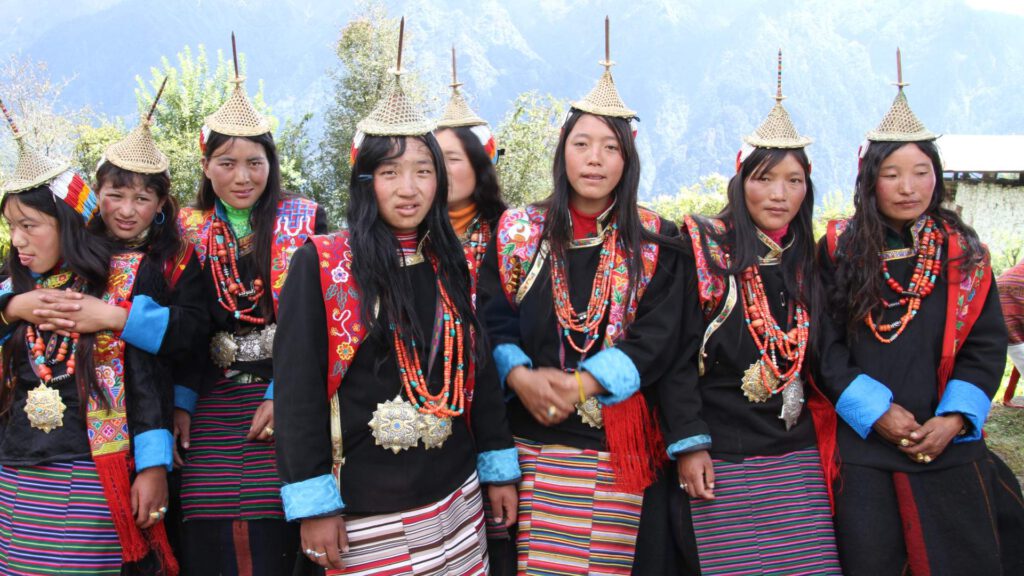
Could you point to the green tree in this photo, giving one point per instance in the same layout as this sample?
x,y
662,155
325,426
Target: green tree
x,y
367,50
529,134
706,198
831,206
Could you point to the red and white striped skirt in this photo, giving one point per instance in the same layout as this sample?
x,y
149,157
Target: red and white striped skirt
x,y
444,538
570,520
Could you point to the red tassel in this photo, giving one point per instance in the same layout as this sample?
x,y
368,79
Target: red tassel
x,y
117,488
635,442
157,536
823,414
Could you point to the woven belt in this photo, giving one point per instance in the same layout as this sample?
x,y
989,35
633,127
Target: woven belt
x,y
227,348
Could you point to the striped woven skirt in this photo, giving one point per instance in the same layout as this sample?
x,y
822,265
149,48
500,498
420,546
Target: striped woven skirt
x,y
227,476
770,515
54,519
444,538
570,520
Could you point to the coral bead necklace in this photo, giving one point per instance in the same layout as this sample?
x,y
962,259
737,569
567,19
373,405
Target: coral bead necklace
x,y
228,282
588,322
773,343
927,266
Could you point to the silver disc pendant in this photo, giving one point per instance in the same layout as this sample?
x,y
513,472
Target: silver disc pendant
x,y
396,425
590,413
792,402
434,430
44,408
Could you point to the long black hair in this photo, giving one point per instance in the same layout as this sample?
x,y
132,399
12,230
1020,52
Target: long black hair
x,y
164,239
632,234
487,193
858,276
740,237
263,217
84,254
375,262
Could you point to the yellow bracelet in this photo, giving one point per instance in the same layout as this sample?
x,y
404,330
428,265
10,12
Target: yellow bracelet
x,y
579,380
3,318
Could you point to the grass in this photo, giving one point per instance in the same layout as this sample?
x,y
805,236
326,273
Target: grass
x,y
1005,436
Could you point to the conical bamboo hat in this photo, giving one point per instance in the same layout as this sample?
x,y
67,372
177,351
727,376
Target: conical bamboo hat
x,y
137,152
777,130
604,99
900,124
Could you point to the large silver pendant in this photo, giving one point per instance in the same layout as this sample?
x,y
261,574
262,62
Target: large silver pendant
x,y
590,412
792,402
44,408
758,383
396,425
223,349
434,430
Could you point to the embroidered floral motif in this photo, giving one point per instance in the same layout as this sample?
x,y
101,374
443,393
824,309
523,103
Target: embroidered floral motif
x,y
710,286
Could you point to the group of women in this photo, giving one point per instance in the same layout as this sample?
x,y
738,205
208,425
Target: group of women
x,y
451,386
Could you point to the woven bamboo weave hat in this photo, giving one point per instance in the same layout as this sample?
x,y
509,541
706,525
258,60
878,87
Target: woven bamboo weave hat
x,y
604,99
237,116
35,169
395,114
900,124
458,113
777,130
137,152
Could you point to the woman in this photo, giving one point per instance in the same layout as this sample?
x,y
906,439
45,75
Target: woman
x,y
745,449
76,408
913,352
377,344
583,265
474,206
244,229
474,196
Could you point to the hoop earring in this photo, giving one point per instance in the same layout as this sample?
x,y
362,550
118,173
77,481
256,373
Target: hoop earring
x,y
160,218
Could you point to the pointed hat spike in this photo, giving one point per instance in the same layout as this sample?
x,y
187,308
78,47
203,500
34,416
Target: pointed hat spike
x,y
604,99
778,85
149,117
607,42
401,42
455,76
234,53
10,120
899,71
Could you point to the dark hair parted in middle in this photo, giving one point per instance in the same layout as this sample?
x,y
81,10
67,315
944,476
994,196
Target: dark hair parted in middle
x,y
858,276
375,262
632,234
487,193
164,238
263,218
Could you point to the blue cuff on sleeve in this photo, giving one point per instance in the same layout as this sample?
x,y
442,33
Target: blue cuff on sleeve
x,y
153,448
969,400
314,497
507,357
863,403
269,394
498,466
698,442
146,324
185,398
615,372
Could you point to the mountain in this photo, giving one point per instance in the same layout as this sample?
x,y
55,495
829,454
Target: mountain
x,y
701,73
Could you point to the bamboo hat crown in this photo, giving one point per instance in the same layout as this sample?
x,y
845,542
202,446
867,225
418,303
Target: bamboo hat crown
x,y
604,99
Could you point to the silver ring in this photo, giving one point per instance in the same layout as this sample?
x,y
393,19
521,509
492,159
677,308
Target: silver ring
x,y
314,553
682,485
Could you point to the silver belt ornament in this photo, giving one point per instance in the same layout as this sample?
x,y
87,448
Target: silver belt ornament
x,y
227,348
397,425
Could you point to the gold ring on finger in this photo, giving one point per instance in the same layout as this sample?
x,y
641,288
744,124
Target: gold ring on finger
x,y
927,459
155,515
552,412
904,442
920,457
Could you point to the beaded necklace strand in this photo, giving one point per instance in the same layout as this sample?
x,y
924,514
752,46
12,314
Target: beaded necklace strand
x,y
927,266
450,400
230,288
771,340
45,355
588,322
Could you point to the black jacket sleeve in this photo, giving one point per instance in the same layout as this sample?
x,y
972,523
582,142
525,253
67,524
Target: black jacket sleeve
x,y
301,408
835,365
